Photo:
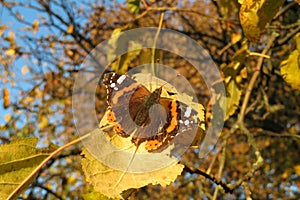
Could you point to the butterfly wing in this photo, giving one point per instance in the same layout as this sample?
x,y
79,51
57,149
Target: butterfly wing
x,y
183,122
125,97
168,127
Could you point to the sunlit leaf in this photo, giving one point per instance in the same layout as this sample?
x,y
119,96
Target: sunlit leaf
x,y
255,14
43,122
235,37
297,169
6,97
106,180
113,41
290,69
232,98
134,5
35,26
121,64
70,29
95,195
24,70
17,160
7,117
10,52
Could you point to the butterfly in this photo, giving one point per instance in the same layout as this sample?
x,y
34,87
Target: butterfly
x,y
144,115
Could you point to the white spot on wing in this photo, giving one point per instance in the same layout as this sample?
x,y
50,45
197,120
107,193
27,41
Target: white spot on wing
x,y
188,112
186,122
121,79
112,85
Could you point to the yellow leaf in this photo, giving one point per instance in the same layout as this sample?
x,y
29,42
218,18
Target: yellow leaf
x,y
5,92
95,195
10,52
38,92
11,35
106,180
255,14
70,53
70,29
232,98
297,169
290,69
72,180
43,122
35,24
133,5
24,70
235,37
6,98
7,117
28,100
285,174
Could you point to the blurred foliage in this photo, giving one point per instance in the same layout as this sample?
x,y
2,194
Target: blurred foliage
x,y
43,44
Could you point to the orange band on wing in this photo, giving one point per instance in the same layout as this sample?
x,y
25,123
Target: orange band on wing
x,y
121,92
174,117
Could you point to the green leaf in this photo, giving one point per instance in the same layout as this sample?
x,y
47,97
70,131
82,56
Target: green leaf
x,y
232,99
290,69
233,96
113,43
17,160
134,5
255,14
121,63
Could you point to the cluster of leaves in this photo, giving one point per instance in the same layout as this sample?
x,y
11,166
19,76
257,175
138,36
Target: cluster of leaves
x,y
255,44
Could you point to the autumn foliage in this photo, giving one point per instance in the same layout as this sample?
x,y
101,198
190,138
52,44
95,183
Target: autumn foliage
x,y
255,46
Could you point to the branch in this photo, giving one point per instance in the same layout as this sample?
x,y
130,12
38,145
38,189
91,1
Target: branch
x,y
283,10
163,9
270,133
221,168
210,177
255,76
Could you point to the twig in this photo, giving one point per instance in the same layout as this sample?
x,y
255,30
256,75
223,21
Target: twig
x,y
221,168
283,10
281,27
270,133
255,76
145,4
213,161
162,15
163,9
289,36
259,159
210,177
247,190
